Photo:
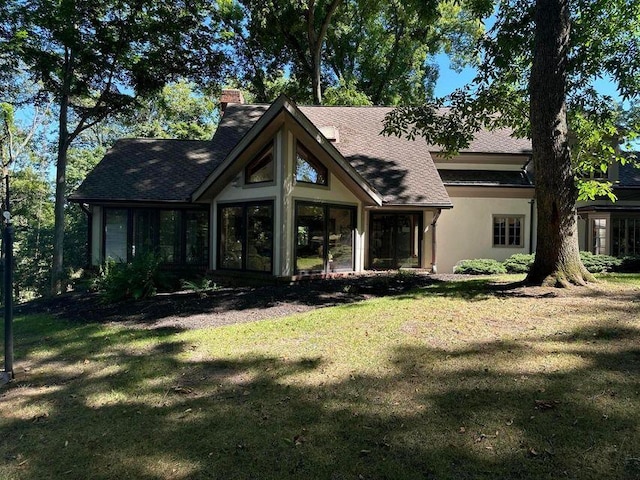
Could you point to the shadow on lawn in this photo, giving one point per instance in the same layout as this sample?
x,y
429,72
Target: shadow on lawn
x,y
145,405
87,307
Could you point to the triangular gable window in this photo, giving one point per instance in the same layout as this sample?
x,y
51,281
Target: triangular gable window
x,y
261,170
309,169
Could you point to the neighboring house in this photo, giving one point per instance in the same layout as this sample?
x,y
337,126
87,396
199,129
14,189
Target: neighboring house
x,y
288,191
613,228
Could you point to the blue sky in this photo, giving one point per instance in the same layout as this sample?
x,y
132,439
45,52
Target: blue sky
x,y
449,79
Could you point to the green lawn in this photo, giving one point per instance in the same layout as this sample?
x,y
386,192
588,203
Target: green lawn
x,y
449,382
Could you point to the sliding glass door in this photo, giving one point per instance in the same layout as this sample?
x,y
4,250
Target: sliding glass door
x,y
395,240
324,238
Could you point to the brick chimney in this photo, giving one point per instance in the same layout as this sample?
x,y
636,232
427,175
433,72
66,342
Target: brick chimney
x,y
231,95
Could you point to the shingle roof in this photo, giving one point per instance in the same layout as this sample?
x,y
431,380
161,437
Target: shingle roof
x,y
629,175
402,171
498,141
143,169
500,178
171,170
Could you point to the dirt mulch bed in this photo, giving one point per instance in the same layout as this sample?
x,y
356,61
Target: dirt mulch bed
x,y
230,305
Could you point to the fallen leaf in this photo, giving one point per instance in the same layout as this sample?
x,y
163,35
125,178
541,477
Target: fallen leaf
x,y
183,390
546,404
462,430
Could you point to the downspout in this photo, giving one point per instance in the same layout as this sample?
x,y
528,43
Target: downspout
x,y
532,203
434,244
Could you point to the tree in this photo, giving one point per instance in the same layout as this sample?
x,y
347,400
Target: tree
x,y
380,48
24,169
539,66
284,31
179,110
557,254
97,58
385,48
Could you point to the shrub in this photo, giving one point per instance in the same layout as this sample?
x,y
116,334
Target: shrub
x,y
201,286
519,262
628,264
599,263
138,279
480,266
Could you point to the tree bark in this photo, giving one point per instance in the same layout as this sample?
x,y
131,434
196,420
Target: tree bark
x,y
316,42
557,260
57,264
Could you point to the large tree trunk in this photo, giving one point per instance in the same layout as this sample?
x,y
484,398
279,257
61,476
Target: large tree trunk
x,y
64,139
57,267
557,260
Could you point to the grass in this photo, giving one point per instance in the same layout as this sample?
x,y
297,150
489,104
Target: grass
x,y
453,381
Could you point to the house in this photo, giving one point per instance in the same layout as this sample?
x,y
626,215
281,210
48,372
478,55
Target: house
x,y
286,191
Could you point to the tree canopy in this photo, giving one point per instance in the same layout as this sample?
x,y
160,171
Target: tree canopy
x,y
382,49
96,58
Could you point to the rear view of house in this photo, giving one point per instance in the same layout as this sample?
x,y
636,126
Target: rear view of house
x,y
288,191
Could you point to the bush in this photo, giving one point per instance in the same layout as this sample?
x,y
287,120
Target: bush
x,y
599,263
519,263
201,286
480,266
138,279
628,264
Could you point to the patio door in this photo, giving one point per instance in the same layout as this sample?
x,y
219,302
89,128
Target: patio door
x,y
324,238
395,240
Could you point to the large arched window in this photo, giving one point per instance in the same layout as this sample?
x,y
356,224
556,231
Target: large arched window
x,y
309,169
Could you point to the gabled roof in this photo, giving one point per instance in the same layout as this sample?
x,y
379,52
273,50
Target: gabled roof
x,y
285,106
390,170
401,170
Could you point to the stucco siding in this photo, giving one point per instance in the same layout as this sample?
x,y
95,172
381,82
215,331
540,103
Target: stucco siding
x,y
466,231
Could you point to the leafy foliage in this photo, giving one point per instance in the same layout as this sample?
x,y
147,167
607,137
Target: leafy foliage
x,y
383,50
519,262
599,263
96,58
499,95
629,264
180,110
201,286
135,280
480,266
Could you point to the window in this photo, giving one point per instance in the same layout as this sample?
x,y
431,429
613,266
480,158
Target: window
x,y
599,235
507,231
246,237
324,238
178,235
395,240
625,236
169,243
261,170
115,234
196,236
309,169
